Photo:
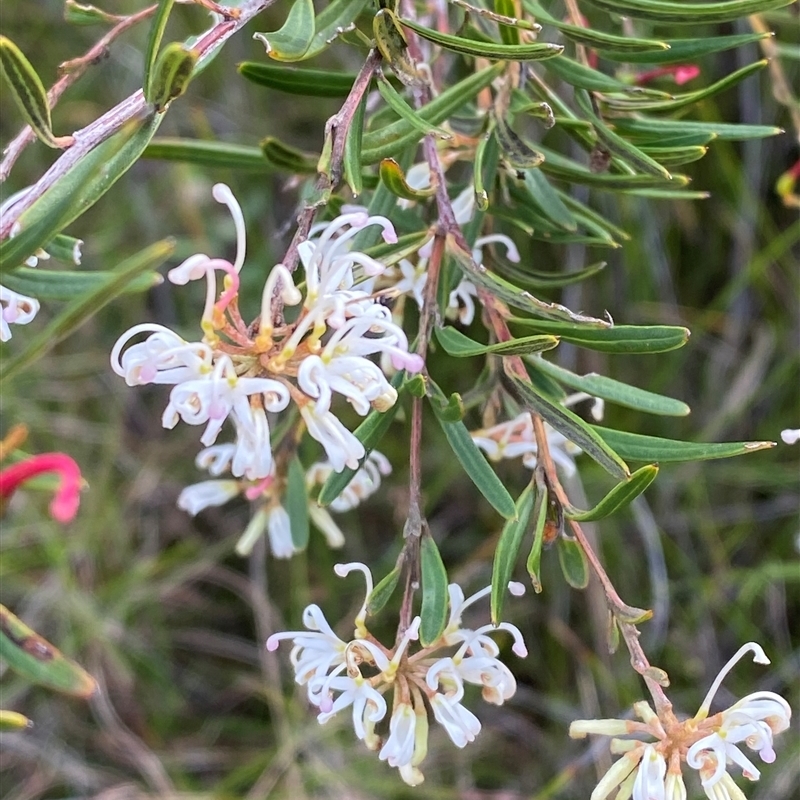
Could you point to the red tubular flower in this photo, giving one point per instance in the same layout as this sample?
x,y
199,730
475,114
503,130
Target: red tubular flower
x,y
681,73
66,499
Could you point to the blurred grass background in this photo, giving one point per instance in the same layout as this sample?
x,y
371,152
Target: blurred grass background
x,y
172,624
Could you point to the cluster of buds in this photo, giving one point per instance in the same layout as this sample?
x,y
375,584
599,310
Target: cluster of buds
x,y
517,438
357,673
241,372
707,744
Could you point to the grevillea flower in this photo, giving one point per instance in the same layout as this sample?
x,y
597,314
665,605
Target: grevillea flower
x,y
66,499
708,744
358,673
790,436
239,373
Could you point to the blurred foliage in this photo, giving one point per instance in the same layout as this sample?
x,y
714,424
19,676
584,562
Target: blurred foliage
x,y
172,624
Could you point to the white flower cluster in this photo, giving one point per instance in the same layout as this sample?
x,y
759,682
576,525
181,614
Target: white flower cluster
x,y
517,438
708,744
240,372
271,516
358,673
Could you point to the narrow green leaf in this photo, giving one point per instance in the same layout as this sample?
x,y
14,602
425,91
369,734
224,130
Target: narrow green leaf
x,y
508,33
573,562
538,520
457,344
619,497
294,39
297,504
369,433
617,145
172,74
683,13
471,458
653,128
682,50
615,338
637,447
31,656
594,38
675,156
352,149
536,279
481,195
569,425
547,200
394,100
28,92
614,391
87,305
392,176
386,142
679,101
84,14
492,50
391,253
511,294
434,592
380,595
583,77
47,284
283,157
296,81
157,29
505,556
224,155
12,721
65,248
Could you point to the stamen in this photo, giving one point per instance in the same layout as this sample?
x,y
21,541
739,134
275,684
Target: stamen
x,y
759,657
222,194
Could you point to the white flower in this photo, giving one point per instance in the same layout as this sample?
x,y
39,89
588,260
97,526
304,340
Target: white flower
x,y
341,446
791,436
15,309
399,747
462,302
279,530
205,494
706,743
368,704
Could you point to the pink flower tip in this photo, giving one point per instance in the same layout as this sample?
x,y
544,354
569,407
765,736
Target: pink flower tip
x,y
410,362
272,643
389,236
326,704
686,73
520,649
516,588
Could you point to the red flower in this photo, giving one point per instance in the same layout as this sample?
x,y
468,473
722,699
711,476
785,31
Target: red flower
x,y
66,499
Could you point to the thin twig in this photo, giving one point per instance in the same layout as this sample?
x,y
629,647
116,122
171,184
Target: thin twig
x,y
70,72
113,120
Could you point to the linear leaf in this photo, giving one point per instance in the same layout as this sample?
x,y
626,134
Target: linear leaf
x,y
470,456
569,425
282,156
457,344
335,18
619,497
733,132
352,149
297,504
573,562
47,284
389,140
637,447
505,556
683,13
538,520
393,46
65,248
613,391
516,151
480,49
31,656
13,721
28,91
584,77
392,176
594,38
616,338
536,279
394,100
87,305
511,294
295,36
225,155
369,433
681,50
172,74
434,592
384,589
547,200
296,81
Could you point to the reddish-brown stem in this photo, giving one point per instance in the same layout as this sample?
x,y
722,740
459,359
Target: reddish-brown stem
x,y
336,127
